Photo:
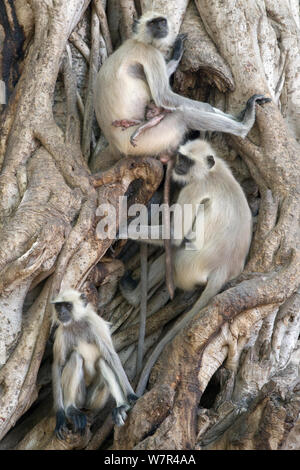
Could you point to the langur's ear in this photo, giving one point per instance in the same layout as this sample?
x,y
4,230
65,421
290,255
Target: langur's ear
x,y
210,161
84,299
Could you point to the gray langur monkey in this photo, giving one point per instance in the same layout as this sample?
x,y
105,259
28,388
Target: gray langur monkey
x,y
86,367
219,252
137,74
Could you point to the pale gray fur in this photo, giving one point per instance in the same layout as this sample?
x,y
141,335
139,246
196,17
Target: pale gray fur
x,y
227,236
137,73
81,347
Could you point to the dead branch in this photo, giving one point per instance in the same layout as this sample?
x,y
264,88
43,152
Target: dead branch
x,y
128,15
104,26
79,43
89,102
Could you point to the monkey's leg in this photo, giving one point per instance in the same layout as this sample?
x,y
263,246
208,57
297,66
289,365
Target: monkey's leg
x,y
119,413
212,119
147,125
73,386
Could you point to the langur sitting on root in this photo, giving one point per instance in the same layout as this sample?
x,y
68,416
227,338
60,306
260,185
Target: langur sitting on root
x,y
218,253
86,368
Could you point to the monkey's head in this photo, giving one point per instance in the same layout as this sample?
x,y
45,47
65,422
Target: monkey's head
x,y
70,305
153,28
194,160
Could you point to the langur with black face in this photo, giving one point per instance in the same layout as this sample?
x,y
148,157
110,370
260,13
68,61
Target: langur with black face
x,y
136,75
86,368
217,253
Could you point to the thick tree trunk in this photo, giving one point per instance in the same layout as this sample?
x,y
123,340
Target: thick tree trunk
x,y
230,380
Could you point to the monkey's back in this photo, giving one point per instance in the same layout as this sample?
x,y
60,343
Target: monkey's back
x,y
121,91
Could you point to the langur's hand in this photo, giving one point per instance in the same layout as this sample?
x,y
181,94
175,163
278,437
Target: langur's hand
x,y
179,46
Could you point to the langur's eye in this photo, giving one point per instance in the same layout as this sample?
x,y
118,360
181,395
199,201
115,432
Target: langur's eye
x,y
68,305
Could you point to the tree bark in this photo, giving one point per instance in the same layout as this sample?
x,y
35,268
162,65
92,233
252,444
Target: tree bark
x,y
230,379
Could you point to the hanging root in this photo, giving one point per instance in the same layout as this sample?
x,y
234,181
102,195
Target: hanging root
x,y
167,241
143,309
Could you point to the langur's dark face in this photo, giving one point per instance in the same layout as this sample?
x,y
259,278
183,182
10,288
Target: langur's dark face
x,y
183,164
64,311
158,27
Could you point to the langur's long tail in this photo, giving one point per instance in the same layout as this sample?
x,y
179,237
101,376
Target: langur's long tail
x,y
213,286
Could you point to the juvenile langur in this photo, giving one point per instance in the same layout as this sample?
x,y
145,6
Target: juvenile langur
x,y
137,74
86,367
217,254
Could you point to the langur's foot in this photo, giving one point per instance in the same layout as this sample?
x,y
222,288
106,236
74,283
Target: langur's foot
x,y
77,418
259,99
119,415
61,428
262,101
133,140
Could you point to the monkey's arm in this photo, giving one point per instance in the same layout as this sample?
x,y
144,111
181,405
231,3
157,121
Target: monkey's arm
x,y
123,402
187,224
145,126
61,420
112,359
